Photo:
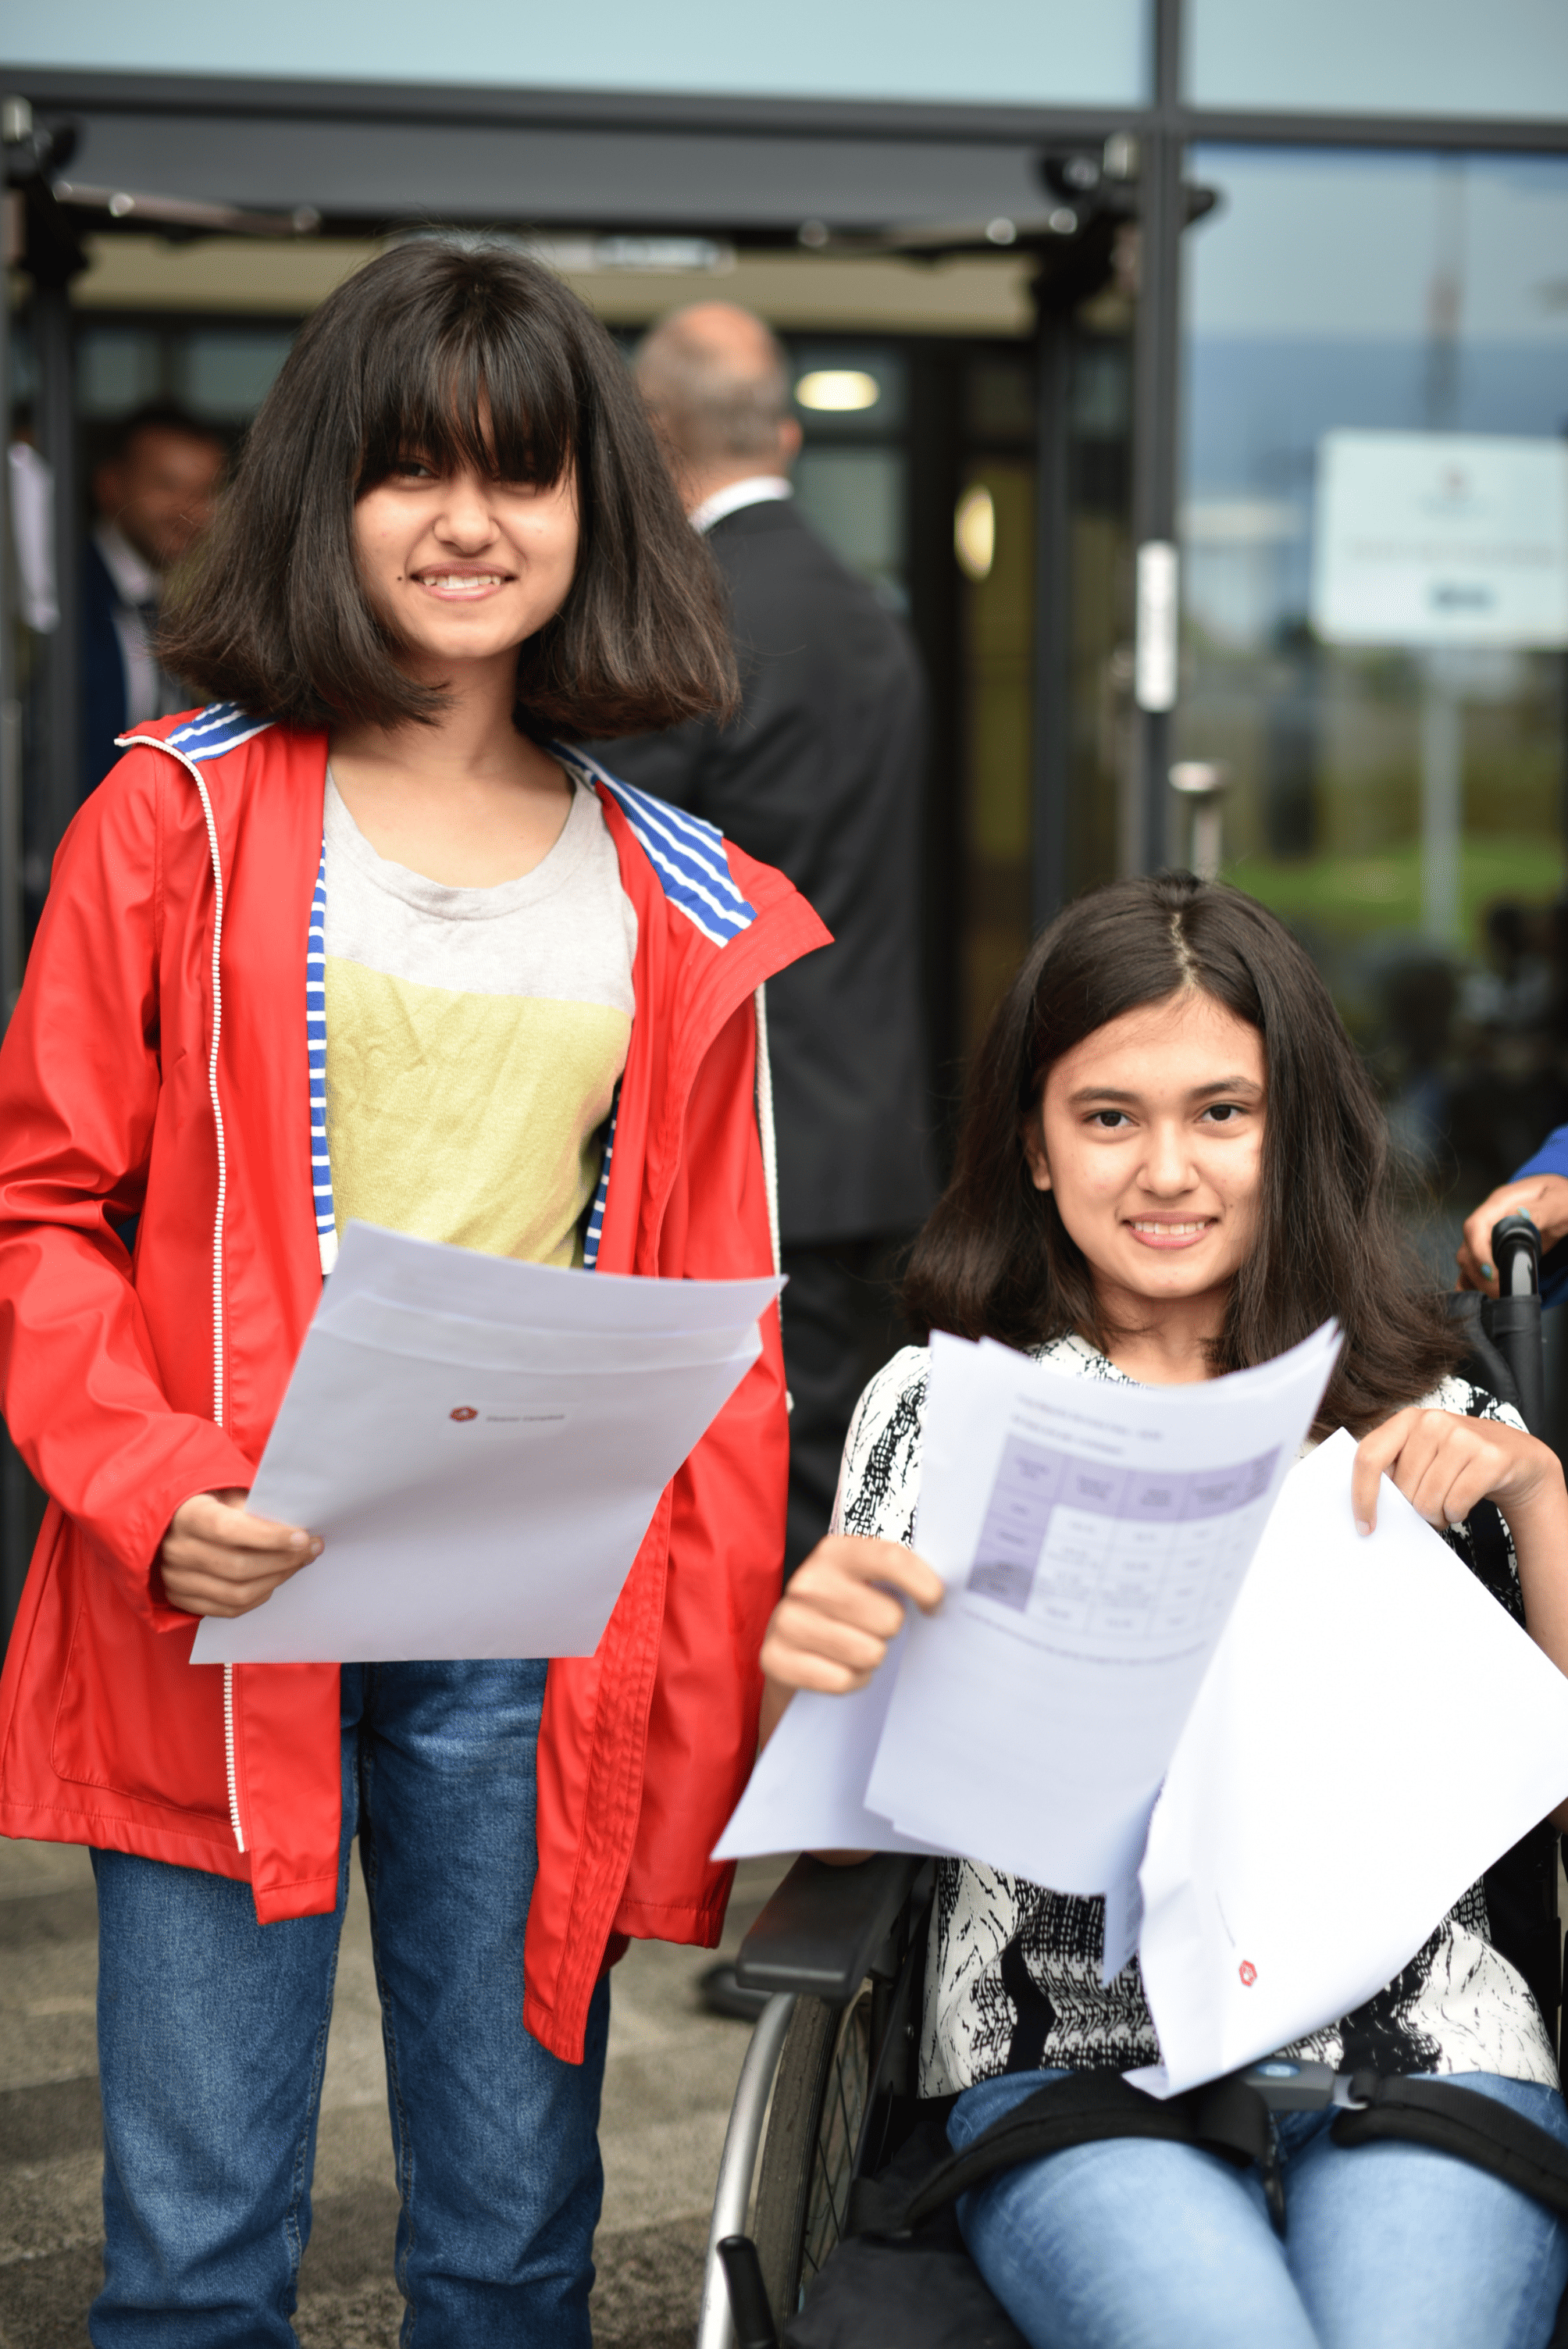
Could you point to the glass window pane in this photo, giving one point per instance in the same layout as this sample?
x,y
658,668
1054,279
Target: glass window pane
x,y
1395,784
855,497
1027,51
118,368
227,375
1393,57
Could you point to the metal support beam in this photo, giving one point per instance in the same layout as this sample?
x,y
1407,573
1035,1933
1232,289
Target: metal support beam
x,y
60,695
1155,385
1052,746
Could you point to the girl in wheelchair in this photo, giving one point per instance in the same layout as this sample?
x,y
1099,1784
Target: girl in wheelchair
x,y
1172,1164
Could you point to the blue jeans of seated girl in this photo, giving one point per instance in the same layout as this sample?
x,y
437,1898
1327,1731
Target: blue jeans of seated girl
x,y
212,2037
1136,2245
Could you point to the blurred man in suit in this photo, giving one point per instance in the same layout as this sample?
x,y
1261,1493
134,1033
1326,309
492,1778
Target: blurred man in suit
x,y
821,775
154,496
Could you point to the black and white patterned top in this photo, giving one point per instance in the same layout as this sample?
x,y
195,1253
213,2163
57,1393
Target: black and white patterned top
x,y
1013,1972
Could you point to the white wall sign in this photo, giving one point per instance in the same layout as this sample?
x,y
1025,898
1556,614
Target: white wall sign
x,y
1440,538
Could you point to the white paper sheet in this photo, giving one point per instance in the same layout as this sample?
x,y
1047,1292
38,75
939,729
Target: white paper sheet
x,y
805,1792
1373,1733
482,1445
1092,1537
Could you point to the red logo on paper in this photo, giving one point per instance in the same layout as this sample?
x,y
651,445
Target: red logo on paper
x,y
465,1411
1247,1970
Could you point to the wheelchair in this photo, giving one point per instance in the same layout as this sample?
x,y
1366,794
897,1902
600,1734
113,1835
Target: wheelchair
x,y
827,2102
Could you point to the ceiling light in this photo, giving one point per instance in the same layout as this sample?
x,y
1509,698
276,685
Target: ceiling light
x,y
837,388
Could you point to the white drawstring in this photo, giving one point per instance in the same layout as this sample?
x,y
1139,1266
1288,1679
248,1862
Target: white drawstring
x,y
770,1146
154,742
765,1123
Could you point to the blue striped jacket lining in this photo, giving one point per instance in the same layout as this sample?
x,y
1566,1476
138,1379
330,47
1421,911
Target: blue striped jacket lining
x,y
213,732
685,851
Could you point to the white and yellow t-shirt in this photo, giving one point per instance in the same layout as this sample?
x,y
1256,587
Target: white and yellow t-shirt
x,y
475,1038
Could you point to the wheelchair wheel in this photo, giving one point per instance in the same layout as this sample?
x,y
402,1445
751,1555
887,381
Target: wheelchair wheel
x,y
807,2156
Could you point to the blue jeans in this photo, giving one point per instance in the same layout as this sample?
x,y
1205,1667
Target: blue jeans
x,y
213,2038
1133,2244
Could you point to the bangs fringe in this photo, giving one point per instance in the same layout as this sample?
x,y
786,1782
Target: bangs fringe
x,y
468,385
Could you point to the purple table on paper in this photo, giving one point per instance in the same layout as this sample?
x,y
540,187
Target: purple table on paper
x,y
1080,1546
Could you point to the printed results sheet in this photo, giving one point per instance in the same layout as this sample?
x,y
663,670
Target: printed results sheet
x,y
1093,1537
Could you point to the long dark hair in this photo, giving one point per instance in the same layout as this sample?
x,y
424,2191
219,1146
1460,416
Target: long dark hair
x,y
996,1260
467,355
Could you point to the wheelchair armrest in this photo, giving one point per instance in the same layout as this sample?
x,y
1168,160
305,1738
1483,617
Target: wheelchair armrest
x,y
824,1925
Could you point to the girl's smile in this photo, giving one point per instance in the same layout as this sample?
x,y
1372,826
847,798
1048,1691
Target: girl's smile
x,y
1155,1233
450,581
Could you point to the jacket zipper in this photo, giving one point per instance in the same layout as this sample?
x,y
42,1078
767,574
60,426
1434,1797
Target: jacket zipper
x,y
152,742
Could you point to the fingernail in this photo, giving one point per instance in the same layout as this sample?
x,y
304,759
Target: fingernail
x,y
299,1541
1487,1273
1362,1527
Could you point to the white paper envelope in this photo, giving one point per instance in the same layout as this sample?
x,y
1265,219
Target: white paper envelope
x,y
381,1324
482,1479
531,1295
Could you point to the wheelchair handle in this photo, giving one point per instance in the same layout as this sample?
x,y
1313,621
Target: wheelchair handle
x,y
1512,1318
1516,1252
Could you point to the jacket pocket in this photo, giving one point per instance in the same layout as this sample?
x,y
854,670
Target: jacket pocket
x,y
135,1717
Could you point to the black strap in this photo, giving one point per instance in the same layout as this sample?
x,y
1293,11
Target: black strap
x,y
1228,2118
1460,2121
1232,2118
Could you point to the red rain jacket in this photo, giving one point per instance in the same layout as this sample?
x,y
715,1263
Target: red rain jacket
x,y
131,1382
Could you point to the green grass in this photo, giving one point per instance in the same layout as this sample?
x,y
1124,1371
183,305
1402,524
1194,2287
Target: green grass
x,y
1352,896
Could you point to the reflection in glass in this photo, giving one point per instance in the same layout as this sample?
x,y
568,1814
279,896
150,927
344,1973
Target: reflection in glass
x,y
975,531
1401,56
855,497
228,373
839,389
997,620
1399,801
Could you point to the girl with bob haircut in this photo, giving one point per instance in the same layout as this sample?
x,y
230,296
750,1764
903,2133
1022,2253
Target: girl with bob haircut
x,y
1172,1164
366,936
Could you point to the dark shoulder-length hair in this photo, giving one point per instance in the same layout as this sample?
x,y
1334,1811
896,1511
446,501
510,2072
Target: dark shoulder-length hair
x,y
996,1260
466,355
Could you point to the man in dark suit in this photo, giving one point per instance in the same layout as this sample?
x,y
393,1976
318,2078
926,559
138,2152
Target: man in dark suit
x,y
154,497
821,775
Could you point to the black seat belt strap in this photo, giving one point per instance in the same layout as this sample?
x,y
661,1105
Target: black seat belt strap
x,y
1233,2117
1452,2119
1087,2107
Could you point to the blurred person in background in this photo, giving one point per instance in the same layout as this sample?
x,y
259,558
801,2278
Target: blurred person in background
x,y
822,774
153,496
